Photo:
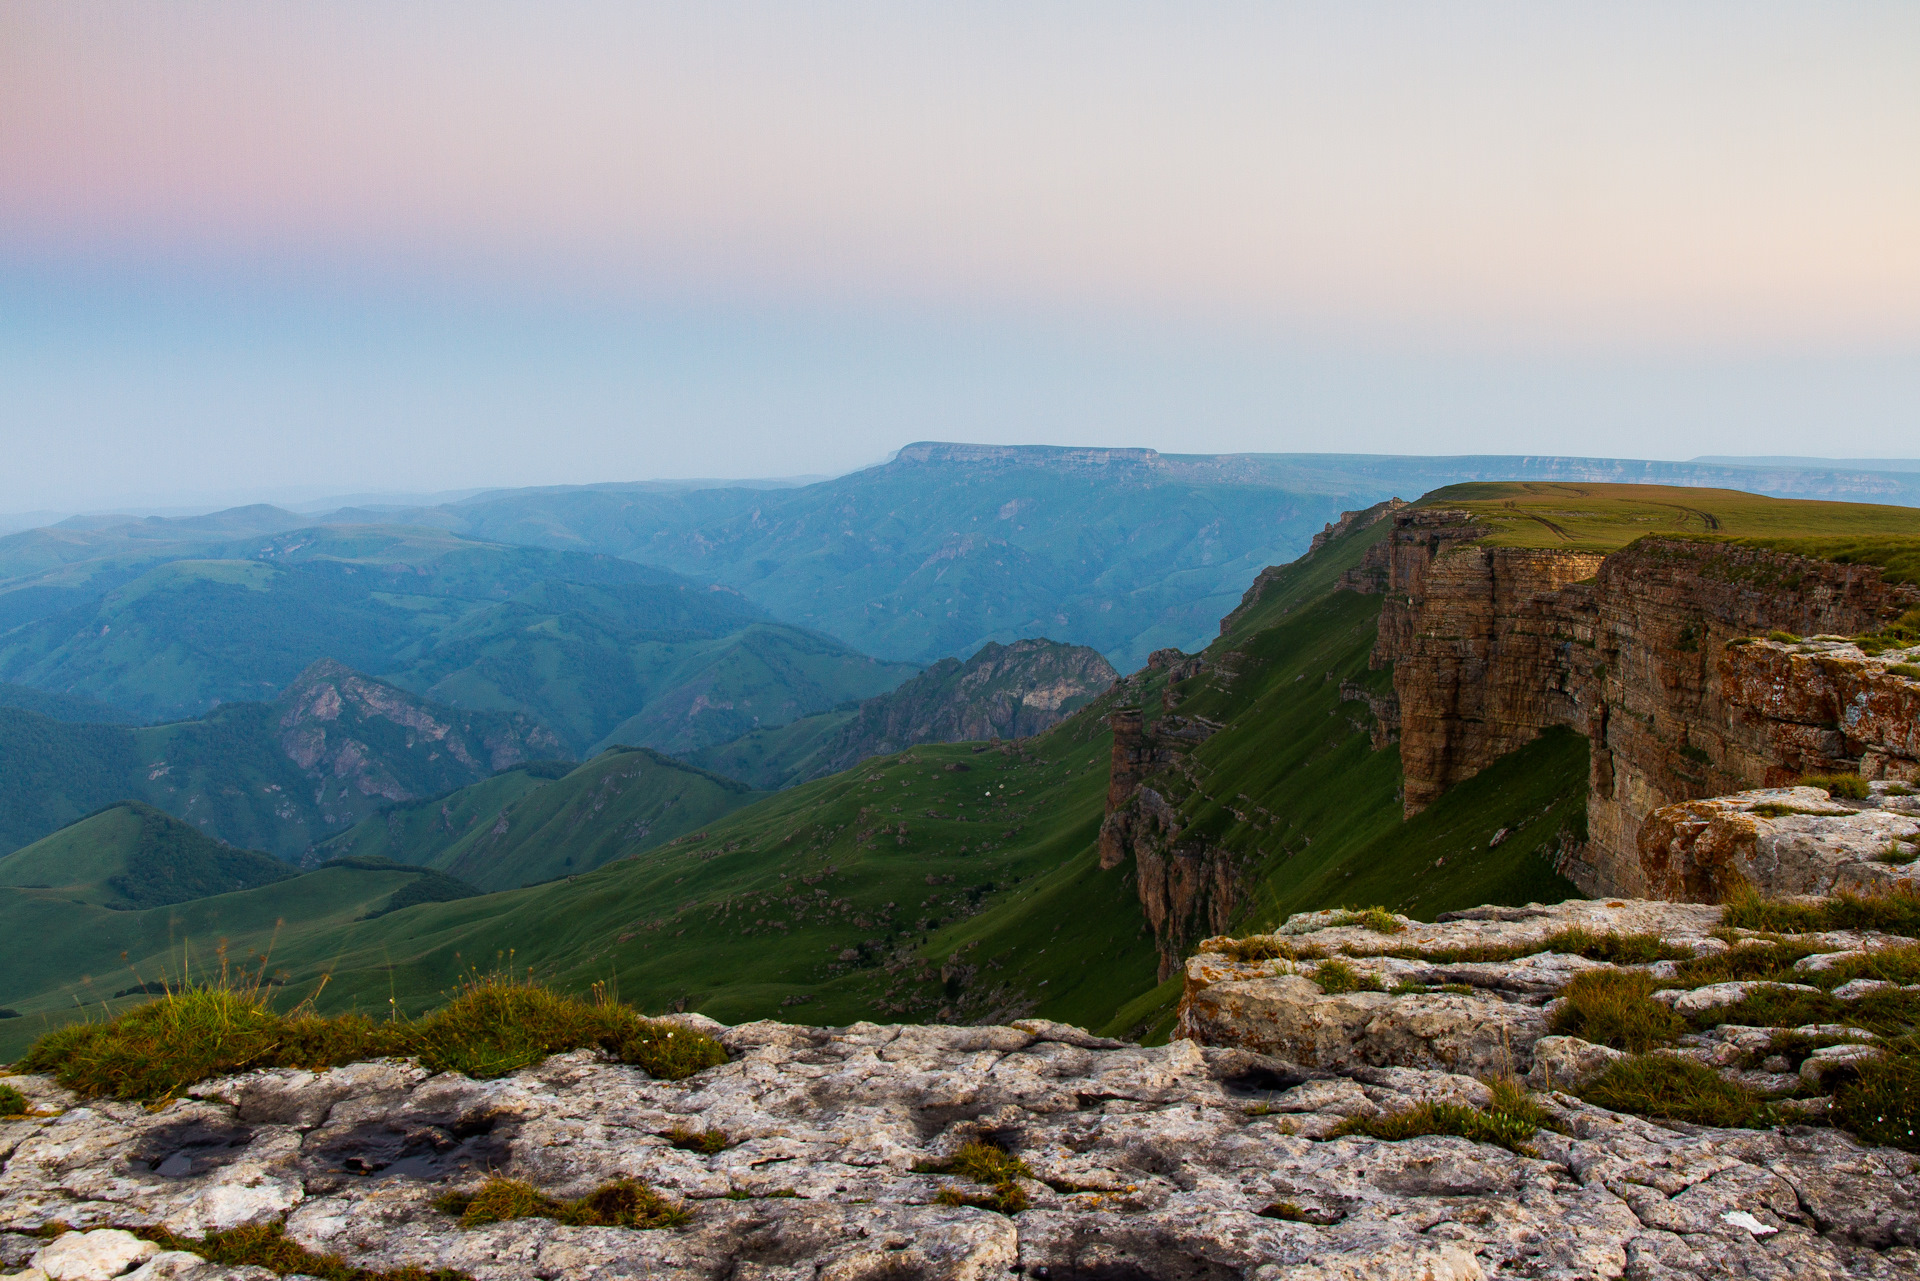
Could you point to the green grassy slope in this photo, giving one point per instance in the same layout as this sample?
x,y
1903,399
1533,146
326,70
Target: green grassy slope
x,y
133,856
770,759
62,707
103,951
417,832
623,801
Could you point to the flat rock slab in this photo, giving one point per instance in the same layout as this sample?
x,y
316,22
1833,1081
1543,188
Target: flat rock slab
x,y
1177,1161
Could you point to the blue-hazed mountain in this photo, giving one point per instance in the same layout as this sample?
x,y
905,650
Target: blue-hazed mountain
x,y
947,547
590,645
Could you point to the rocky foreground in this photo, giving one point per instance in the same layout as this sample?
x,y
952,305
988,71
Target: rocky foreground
x,y
1180,1161
815,1152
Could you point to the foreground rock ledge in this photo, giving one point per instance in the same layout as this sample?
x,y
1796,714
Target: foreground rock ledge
x,y
1152,1163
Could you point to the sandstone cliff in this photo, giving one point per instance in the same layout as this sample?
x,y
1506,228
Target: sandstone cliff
x,y
1647,651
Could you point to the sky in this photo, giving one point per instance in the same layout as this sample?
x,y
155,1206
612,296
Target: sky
x,y
272,251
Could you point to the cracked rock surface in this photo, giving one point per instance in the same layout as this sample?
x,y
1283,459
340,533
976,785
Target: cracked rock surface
x,y
1174,1162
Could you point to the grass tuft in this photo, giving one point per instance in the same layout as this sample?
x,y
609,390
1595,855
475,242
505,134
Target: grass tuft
x,y
1881,1104
1377,919
1509,1122
1840,786
495,1026
1611,1007
12,1102
988,1164
624,1203
1337,976
1668,1088
1746,962
268,1246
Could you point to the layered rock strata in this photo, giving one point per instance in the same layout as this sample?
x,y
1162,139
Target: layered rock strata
x,y
1783,841
1649,652
1408,1000
1187,1161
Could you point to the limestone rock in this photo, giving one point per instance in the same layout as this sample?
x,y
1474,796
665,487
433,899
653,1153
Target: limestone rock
x,y
93,1256
1567,1062
1781,841
1170,1161
1715,995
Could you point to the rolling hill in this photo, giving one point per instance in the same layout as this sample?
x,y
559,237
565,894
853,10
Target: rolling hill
x,y
131,856
527,826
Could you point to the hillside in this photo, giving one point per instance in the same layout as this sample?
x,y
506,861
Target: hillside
x,y
520,828
63,707
131,856
1003,691
107,956
336,747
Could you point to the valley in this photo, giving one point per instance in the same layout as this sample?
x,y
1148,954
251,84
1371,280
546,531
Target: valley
x,y
1063,874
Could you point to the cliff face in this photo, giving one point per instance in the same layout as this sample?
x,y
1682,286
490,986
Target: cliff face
x,y
1188,889
1647,651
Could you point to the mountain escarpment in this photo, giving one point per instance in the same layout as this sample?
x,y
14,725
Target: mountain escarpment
x,y
1650,653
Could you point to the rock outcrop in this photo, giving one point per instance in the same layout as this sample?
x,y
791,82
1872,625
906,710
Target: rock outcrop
x,y
1490,1024
1184,1161
1188,889
1648,651
343,729
1783,841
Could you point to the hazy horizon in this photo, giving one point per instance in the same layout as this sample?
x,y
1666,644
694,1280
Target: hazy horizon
x,y
413,247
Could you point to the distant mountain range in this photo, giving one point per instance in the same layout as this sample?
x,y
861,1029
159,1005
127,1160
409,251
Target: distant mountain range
x,y
595,647
931,555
